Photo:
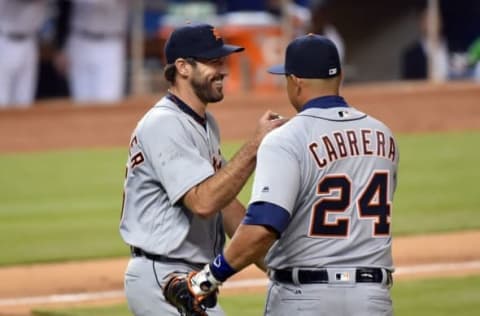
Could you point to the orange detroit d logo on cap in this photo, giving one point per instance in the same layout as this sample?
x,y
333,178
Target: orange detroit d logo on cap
x,y
216,33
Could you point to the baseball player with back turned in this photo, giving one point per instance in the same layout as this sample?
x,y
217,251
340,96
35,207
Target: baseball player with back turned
x,y
321,202
180,195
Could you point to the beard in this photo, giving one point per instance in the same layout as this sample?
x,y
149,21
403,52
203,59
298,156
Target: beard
x,y
206,90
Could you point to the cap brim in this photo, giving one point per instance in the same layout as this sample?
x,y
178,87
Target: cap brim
x,y
277,70
221,51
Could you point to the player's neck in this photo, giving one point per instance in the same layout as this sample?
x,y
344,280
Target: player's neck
x,y
190,98
311,89
313,94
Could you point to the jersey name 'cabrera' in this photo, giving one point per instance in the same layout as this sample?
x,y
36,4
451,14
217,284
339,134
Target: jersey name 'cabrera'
x,y
329,176
172,149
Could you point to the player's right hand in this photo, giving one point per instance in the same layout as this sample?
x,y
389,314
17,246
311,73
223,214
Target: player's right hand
x,y
268,122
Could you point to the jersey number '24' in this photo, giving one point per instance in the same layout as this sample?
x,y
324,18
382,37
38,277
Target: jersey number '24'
x,y
372,204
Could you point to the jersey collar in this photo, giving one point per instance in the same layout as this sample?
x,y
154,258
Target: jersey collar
x,y
326,102
188,110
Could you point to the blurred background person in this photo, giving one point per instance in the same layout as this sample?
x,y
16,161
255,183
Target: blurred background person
x,y
474,59
52,77
20,22
95,52
245,12
295,14
415,55
461,21
321,23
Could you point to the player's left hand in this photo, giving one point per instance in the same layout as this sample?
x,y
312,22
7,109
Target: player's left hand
x,y
190,300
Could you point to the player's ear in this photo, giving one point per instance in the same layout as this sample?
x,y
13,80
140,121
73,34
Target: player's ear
x,y
298,84
183,67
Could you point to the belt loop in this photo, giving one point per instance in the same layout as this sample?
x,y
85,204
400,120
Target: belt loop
x,y
271,274
389,279
386,278
295,278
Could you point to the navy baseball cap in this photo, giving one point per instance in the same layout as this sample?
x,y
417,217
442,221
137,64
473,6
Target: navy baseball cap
x,y
197,41
310,56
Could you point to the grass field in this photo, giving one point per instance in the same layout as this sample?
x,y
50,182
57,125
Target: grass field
x,y
435,297
66,205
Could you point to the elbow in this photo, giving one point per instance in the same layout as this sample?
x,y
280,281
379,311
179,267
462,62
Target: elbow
x,y
202,210
202,205
205,214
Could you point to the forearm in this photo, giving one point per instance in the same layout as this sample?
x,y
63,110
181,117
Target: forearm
x,y
233,215
249,245
218,191
260,263
222,189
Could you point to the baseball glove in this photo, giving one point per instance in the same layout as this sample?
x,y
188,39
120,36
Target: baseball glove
x,y
177,292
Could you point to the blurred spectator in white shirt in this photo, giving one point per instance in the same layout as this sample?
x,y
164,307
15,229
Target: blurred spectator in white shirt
x,y
20,22
415,56
96,50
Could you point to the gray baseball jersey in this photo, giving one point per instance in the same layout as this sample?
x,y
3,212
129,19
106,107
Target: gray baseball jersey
x,y
333,169
171,151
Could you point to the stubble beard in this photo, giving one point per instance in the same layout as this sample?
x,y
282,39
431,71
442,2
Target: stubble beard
x,y
205,90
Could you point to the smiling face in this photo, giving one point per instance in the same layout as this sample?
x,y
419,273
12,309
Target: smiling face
x,y
207,79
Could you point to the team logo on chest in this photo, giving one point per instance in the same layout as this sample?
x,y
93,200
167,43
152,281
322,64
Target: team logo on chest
x,y
217,161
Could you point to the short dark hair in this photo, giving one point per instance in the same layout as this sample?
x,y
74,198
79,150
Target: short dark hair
x,y
170,70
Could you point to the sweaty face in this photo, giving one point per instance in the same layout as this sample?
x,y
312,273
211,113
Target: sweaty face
x,y
207,80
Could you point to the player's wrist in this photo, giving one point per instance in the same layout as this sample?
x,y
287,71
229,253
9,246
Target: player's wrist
x,y
203,282
221,269
211,276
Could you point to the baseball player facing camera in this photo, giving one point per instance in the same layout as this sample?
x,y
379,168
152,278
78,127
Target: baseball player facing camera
x,y
180,193
321,202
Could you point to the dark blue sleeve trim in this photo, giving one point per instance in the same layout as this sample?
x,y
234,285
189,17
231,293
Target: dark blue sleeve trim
x,y
267,214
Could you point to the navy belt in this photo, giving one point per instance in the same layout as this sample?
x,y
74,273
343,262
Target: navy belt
x,y
362,275
137,252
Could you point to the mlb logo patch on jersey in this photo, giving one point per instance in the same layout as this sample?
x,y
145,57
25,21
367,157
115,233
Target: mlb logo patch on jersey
x,y
265,189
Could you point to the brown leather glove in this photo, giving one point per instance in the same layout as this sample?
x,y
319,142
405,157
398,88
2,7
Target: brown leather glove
x,y
177,292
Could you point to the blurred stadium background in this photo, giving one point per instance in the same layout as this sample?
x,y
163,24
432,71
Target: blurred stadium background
x,y
374,36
